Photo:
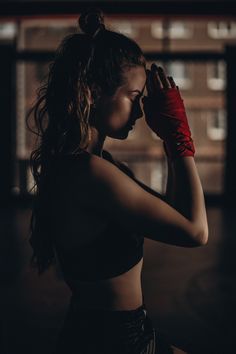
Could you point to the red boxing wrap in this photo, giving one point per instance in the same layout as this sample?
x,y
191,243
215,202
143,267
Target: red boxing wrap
x,y
166,116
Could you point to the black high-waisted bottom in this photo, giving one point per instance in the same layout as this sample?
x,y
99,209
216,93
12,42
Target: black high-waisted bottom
x,y
109,332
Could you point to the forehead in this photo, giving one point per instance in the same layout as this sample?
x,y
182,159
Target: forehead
x,y
135,78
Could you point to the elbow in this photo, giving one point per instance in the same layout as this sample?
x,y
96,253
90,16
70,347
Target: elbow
x,y
202,237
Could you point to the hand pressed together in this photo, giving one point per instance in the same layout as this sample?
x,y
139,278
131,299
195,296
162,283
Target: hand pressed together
x,y
165,113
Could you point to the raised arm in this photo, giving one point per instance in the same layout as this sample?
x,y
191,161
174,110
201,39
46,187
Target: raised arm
x,y
165,114
120,198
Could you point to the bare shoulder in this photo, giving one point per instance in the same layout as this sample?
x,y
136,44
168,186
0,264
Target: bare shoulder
x,y
114,181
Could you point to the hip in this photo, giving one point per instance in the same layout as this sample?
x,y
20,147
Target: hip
x,y
106,332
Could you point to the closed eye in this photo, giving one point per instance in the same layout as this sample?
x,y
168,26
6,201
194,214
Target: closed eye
x,y
137,98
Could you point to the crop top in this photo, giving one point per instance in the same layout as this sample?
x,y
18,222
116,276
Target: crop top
x,y
114,252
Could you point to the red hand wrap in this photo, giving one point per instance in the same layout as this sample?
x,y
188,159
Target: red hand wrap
x,y
166,116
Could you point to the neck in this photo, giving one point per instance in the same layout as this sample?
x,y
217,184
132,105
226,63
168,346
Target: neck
x,y
97,140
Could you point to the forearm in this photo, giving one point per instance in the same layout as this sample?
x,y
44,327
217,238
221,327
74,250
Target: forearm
x,y
170,185
188,193
165,115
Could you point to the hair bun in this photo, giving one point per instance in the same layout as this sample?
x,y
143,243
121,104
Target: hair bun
x,y
91,20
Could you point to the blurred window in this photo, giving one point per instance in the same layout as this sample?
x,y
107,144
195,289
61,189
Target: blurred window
x,y
222,29
126,28
173,29
43,34
157,30
7,30
216,124
180,30
216,73
179,71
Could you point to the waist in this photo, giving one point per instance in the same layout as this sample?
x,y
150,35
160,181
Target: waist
x,y
117,308
123,292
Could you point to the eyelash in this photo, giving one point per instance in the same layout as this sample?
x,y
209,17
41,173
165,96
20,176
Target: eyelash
x,y
137,98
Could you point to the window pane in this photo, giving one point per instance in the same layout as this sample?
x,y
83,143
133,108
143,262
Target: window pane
x,y
216,75
216,124
222,29
7,31
179,71
126,28
180,30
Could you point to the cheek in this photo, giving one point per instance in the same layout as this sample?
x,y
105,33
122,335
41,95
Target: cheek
x,y
119,114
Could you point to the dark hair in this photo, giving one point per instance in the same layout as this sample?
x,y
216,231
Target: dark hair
x,y
85,63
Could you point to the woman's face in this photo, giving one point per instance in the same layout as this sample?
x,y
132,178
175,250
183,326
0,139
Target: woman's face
x,y
118,113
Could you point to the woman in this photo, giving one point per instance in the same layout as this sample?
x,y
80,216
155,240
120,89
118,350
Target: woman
x,y
91,213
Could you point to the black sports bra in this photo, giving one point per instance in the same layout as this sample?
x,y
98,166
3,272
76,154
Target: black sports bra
x,y
114,252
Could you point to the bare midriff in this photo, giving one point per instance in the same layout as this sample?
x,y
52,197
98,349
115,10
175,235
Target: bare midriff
x,y
123,292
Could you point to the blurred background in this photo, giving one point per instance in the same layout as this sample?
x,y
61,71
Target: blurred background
x,y
190,292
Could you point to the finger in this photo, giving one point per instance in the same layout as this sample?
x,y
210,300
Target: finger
x,y
157,83
157,80
171,81
148,83
153,83
163,77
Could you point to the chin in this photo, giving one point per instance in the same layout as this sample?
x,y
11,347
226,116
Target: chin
x,y
121,135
